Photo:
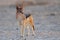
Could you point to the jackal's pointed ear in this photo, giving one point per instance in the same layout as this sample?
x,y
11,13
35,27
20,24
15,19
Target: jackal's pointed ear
x,y
17,7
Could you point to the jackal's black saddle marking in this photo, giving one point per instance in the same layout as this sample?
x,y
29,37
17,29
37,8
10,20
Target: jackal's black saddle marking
x,y
27,15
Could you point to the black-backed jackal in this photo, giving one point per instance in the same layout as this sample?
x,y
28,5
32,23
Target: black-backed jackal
x,y
26,20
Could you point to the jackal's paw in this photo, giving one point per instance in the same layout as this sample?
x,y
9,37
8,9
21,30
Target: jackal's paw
x,y
26,34
32,34
21,36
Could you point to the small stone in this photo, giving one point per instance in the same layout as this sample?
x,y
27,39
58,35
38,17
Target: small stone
x,y
17,29
26,34
25,39
32,34
52,14
21,36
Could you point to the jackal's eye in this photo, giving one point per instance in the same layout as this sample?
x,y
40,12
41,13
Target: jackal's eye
x,y
17,8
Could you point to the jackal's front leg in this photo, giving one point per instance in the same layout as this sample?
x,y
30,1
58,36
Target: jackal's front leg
x,y
22,29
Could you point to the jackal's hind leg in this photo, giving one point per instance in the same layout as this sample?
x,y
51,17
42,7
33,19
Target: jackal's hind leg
x,y
33,30
32,26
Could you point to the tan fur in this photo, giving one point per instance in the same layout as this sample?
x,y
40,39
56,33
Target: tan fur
x,y
25,21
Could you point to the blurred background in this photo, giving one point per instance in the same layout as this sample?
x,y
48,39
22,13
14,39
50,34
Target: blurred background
x,y
10,2
46,14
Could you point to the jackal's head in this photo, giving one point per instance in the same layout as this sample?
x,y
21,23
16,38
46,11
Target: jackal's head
x,y
19,8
